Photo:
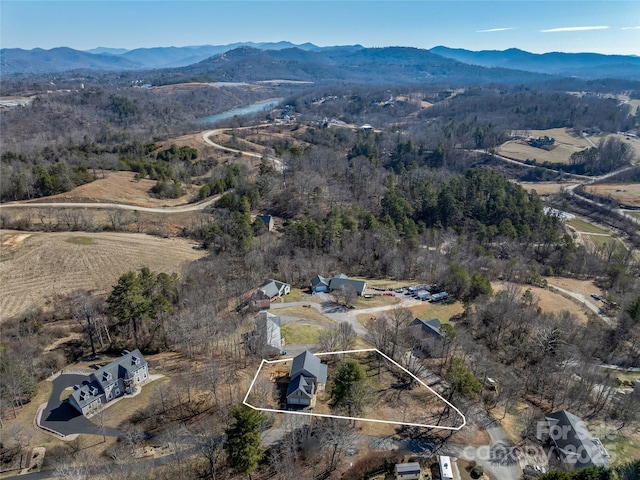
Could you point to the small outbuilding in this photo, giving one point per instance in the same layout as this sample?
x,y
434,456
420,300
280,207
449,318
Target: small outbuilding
x,y
407,471
446,469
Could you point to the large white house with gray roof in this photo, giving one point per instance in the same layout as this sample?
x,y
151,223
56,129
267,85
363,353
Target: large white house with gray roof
x,y
111,381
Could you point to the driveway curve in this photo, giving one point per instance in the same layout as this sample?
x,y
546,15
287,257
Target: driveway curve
x,y
63,418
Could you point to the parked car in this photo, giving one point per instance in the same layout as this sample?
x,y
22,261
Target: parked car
x,y
596,296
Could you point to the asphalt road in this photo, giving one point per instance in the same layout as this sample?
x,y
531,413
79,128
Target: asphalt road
x,y
61,417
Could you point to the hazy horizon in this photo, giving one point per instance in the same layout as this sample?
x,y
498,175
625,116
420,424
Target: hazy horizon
x,y
607,27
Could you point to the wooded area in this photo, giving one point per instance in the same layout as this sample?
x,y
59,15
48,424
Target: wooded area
x,y
416,198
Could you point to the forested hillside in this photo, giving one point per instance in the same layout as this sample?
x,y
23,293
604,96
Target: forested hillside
x,y
395,183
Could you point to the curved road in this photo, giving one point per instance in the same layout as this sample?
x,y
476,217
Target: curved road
x,y
205,136
178,209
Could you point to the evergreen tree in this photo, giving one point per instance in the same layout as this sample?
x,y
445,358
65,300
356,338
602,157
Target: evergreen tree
x,y
243,439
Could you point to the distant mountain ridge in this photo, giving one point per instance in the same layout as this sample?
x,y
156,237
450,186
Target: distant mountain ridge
x,y
308,62
16,60
585,65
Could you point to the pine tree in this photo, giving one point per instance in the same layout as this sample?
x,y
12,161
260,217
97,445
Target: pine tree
x,y
243,439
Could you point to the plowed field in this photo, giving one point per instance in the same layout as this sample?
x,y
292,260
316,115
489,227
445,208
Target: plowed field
x,y
36,268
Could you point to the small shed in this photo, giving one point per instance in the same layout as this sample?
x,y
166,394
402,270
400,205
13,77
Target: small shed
x,y
407,471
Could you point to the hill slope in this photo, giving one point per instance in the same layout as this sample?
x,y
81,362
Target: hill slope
x,y
584,65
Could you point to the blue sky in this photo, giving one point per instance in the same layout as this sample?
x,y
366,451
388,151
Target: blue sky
x,y
608,26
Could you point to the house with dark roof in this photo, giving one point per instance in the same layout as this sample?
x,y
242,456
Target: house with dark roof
x,y
308,375
425,335
322,284
573,443
106,383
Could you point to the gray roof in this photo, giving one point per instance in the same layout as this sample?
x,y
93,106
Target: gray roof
x,y
431,326
268,327
123,367
271,287
308,364
412,467
571,436
86,393
302,384
338,282
319,280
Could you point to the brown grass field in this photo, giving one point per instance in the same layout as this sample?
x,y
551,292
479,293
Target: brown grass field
x,y
552,302
117,187
566,144
36,268
544,188
628,193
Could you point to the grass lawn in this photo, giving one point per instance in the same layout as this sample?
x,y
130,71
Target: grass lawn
x,y
120,412
622,447
304,313
439,310
623,375
602,241
584,226
296,295
300,333
377,301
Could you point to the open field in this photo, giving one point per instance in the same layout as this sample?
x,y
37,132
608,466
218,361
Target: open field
x,y
553,302
628,193
520,150
545,188
566,144
117,187
36,268
584,226
606,242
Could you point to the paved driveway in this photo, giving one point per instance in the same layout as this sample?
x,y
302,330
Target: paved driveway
x,y
61,417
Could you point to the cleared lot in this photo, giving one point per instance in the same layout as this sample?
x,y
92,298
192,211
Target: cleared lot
x,y
36,268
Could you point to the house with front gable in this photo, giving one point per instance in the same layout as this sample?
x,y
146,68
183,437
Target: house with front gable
x,y
308,376
106,383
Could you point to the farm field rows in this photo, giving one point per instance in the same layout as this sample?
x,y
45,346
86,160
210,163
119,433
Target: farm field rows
x,y
38,267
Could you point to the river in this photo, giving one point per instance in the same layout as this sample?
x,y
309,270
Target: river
x,y
246,110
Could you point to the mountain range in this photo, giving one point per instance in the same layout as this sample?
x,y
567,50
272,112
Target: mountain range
x,y
308,62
